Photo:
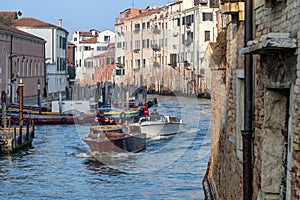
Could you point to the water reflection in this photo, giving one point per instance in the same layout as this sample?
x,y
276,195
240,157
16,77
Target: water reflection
x,y
101,169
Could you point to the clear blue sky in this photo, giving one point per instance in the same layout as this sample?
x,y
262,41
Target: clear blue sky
x,y
76,14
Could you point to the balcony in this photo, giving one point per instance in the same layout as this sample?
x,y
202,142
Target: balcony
x,y
120,65
187,42
136,50
200,2
155,48
156,30
156,64
173,65
137,68
187,65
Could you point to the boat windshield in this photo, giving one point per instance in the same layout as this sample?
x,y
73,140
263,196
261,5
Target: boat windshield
x,y
157,118
106,129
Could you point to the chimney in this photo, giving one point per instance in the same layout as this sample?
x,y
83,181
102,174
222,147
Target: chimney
x,y
60,23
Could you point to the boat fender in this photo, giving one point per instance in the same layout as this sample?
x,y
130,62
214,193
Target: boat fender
x,y
63,120
123,115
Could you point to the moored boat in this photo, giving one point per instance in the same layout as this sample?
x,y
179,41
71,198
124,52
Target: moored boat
x,y
119,113
115,138
52,117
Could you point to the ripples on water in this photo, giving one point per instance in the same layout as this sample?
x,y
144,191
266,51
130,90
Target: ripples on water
x,y
59,165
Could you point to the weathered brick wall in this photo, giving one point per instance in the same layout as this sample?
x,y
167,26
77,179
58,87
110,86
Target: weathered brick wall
x,y
283,17
295,170
269,111
226,170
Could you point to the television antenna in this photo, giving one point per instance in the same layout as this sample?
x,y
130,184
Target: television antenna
x,y
132,3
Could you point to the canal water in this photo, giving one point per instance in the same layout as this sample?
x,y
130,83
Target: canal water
x,y
59,165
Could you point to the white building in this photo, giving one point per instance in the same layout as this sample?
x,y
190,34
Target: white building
x,y
193,25
89,44
55,51
163,47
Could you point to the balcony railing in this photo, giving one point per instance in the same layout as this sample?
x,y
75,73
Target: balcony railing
x,y
201,2
156,31
156,64
155,47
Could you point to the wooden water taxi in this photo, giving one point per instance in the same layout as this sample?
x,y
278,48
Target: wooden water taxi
x,y
115,138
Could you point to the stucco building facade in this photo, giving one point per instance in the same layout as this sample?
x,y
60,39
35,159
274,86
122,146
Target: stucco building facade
x,y
162,47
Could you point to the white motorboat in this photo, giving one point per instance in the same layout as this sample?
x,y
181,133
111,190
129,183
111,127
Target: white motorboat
x,y
160,125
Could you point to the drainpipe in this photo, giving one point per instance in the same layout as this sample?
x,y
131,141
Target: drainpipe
x,y
11,69
248,115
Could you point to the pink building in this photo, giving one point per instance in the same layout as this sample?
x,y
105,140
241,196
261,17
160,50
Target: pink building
x,y
22,56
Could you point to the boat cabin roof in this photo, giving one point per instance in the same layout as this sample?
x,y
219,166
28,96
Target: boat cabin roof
x,y
105,127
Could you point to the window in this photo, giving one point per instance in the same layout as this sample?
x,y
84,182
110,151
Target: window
x,y
120,72
190,36
104,48
31,69
143,25
106,38
173,59
107,61
143,43
39,68
64,43
137,44
144,63
138,63
35,69
189,19
60,42
98,48
119,60
137,27
87,48
207,36
207,16
183,20
148,25
112,60
178,21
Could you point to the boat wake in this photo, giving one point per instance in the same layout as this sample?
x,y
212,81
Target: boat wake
x,y
84,155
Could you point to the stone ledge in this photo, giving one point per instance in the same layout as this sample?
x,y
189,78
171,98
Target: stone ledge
x,y
270,43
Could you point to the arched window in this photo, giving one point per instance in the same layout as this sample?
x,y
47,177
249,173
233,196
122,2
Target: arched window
x,y
19,67
31,69
35,69
27,68
23,67
39,68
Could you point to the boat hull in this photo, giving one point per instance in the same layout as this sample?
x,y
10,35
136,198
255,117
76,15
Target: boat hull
x,y
128,143
53,118
117,113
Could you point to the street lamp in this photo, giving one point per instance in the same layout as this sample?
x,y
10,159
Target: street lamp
x,y
39,94
11,76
